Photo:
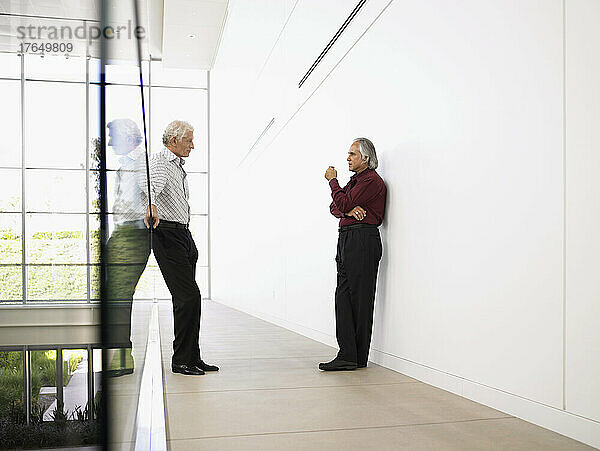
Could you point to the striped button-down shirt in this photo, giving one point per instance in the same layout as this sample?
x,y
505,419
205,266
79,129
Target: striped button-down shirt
x,y
169,187
131,199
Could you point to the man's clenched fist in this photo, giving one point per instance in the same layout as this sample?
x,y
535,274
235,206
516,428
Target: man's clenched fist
x,y
155,219
330,173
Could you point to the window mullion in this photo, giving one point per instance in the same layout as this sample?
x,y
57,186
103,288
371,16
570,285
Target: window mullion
x,y
23,238
87,167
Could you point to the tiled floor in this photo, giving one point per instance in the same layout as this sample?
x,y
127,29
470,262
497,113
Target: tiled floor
x,y
269,395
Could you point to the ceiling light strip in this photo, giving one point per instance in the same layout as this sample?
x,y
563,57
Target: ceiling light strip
x,y
332,41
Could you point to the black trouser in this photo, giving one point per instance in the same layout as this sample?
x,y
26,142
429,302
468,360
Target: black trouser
x,y
176,255
358,254
127,253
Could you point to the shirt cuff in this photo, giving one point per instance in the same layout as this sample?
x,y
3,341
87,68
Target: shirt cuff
x,y
334,185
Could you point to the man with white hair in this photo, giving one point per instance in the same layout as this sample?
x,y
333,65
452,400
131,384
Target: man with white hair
x,y
128,247
360,205
173,246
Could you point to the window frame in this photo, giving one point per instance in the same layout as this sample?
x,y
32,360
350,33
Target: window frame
x,y
88,170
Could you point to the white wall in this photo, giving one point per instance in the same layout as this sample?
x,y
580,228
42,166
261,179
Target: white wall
x,y
583,208
465,106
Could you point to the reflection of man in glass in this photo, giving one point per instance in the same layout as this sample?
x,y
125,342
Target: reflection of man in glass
x,y
128,247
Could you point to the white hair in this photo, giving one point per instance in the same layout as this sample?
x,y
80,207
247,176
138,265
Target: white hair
x,y
126,129
176,129
367,150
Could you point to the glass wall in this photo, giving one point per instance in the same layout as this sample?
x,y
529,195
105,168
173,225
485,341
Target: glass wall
x,y
12,386
49,226
55,383
50,233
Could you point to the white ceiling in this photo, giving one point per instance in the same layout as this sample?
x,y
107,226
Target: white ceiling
x,y
183,33
64,9
192,32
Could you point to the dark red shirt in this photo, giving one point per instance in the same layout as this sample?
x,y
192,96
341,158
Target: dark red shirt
x,y
367,190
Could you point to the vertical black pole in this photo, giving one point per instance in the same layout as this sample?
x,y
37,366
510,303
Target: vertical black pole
x,y
27,384
139,55
90,383
104,313
59,381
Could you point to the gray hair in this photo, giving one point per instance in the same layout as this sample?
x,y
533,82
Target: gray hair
x,y
367,150
127,129
176,129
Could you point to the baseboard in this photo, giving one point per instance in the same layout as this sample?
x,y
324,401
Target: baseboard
x,y
565,423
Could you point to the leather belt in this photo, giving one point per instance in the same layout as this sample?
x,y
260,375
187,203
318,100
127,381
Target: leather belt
x,y
172,225
357,226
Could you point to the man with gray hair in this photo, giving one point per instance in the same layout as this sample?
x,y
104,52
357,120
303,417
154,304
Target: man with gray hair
x,y
360,205
128,247
173,246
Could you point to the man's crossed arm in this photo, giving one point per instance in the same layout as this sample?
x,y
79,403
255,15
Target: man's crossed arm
x,y
357,212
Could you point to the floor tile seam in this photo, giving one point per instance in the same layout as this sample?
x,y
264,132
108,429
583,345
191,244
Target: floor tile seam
x,y
272,343
364,428
123,395
229,359
262,333
288,388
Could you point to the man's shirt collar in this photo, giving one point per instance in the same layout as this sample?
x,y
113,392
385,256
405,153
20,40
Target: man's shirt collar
x,y
132,156
362,174
170,156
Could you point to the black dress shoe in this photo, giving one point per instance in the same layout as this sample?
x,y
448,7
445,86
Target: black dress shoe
x,y
361,365
337,365
206,367
187,370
